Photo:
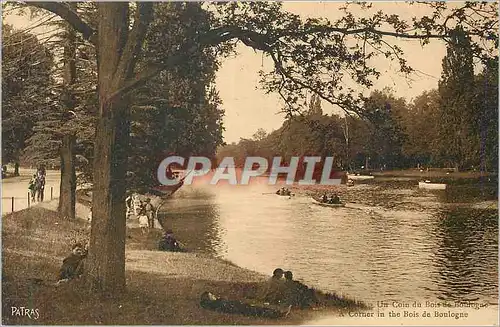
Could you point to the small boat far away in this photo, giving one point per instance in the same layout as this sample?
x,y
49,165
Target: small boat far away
x,y
431,186
286,196
359,177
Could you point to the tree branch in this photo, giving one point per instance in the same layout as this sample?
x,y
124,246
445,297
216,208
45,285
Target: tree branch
x,y
65,12
143,17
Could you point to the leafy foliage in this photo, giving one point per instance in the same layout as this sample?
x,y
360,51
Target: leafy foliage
x,y
322,56
179,111
27,88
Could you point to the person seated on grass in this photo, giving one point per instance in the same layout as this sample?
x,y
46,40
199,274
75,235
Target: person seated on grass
x,y
72,266
272,291
298,294
169,243
211,302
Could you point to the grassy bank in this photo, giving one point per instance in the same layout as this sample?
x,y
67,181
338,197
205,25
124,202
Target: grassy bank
x,y
162,288
432,173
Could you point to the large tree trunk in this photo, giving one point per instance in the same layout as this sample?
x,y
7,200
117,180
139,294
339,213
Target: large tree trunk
x,y
107,245
107,249
67,197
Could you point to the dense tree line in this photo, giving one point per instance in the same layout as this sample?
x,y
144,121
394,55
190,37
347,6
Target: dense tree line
x,y
179,111
454,126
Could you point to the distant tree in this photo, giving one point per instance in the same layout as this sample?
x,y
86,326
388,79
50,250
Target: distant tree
x,y
315,105
27,88
260,135
458,142
486,115
386,136
421,125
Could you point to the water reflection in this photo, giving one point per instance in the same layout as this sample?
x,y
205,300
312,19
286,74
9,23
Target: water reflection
x,y
392,242
194,218
466,256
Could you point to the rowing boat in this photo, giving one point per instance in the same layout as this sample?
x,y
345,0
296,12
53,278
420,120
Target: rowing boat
x,y
286,196
166,191
331,205
359,177
431,186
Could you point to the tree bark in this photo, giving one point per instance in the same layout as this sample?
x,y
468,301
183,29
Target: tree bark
x,y
106,271
67,197
107,248
67,194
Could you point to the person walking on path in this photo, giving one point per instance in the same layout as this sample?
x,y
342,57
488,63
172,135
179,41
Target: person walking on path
x,y
40,184
32,187
150,213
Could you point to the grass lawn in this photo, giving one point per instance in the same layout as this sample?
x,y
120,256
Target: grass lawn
x,y
162,288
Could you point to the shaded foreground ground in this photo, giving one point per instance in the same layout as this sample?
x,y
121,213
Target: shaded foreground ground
x,y
162,288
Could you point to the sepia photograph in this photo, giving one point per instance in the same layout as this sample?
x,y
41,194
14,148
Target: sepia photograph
x,y
294,163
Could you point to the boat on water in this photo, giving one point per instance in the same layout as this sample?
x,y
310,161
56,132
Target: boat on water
x,y
166,191
331,205
359,177
286,196
431,186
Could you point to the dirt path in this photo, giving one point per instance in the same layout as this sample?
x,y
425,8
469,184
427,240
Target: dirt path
x,y
17,187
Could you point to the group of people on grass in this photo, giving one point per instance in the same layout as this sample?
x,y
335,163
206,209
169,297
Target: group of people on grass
x,y
277,297
144,210
282,289
332,199
36,185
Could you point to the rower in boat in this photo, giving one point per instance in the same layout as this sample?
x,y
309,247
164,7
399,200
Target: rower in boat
x,y
284,192
334,199
324,199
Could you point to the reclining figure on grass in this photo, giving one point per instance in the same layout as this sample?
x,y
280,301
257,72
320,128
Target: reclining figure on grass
x,y
278,296
212,302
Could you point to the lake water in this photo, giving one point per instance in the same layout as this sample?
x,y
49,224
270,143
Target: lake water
x,y
392,242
